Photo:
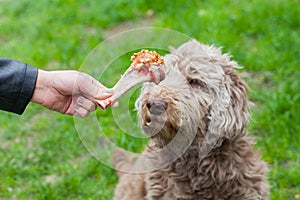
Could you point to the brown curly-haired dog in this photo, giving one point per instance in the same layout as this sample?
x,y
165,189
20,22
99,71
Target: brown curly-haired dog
x,y
199,148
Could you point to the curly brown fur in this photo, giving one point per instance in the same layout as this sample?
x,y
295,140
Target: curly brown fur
x,y
202,103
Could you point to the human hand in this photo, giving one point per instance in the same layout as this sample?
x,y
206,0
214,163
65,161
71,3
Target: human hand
x,y
69,92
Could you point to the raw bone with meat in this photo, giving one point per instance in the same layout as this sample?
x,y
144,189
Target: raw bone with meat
x,y
146,66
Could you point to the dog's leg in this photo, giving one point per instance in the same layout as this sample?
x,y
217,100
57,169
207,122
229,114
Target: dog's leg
x,y
131,186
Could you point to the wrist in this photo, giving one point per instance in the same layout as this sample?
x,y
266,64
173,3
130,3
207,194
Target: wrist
x,y
42,83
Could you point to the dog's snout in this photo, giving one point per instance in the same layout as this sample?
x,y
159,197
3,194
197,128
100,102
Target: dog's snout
x,y
157,106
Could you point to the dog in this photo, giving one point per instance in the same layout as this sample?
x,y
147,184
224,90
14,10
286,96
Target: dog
x,y
196,119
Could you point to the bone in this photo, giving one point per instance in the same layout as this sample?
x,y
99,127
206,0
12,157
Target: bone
x,y
146,66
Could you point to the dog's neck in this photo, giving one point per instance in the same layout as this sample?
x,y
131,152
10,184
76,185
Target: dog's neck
x,y
195,146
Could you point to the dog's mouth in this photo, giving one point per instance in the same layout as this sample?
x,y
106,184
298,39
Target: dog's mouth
x,y
159,128
153,124
158,122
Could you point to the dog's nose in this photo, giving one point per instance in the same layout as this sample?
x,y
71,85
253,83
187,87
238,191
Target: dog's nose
x,y
157,106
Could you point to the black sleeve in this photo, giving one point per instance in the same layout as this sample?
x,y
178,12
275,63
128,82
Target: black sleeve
x,y
17,83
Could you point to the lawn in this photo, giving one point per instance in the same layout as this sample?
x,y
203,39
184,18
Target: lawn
x,y
42,153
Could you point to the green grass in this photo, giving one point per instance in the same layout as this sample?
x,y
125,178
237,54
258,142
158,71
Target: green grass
x,y
42,156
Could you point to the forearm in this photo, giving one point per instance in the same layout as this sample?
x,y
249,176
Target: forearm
x,y
17,83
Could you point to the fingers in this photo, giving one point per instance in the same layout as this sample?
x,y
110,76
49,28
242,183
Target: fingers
x,y
92,88
86,104
80,112
83,106
86,90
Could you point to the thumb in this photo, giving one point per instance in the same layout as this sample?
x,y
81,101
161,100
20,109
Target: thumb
x,y
92,88
103,93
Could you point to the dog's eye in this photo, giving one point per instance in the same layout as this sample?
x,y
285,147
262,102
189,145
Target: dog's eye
x,y
194,82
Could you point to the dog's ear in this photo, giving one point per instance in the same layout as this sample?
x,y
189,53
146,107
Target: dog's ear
x,y
229,110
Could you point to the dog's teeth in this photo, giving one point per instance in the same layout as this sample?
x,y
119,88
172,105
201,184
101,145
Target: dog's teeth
x,y
148,123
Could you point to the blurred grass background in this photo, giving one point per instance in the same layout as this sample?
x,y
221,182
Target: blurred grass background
x,y
41,155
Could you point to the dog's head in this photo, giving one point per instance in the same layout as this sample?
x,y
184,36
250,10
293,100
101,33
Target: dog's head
x,y
202,92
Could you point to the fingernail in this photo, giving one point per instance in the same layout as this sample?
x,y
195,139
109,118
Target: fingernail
x,y
104,93
80,100
108,91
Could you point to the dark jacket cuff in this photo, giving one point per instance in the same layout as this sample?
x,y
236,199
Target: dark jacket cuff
x,y
17,84
27,89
